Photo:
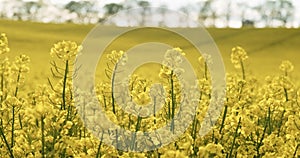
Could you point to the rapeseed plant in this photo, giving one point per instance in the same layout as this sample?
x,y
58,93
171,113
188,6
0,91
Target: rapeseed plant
x,y
238,56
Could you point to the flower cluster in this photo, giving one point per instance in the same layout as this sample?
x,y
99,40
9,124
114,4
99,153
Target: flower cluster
x,y
117,56
3,44
238,55
65,50
286,67
21,64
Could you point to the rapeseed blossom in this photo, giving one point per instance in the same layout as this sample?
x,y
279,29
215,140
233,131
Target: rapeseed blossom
x,y
3,44
286,67
65,50
238,55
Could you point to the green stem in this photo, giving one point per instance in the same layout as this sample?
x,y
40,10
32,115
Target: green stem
x,y
69,113
129,123
285,73
6,143
20,121
194,128
2,87
104,101
234,138
169,110
18,80
154,110
295,152
223,119
98,155
12,126
117,136
194,134
84,132
137,127
43,136
243,69
112,88
286,94
65,85
205,71
264,132
173,102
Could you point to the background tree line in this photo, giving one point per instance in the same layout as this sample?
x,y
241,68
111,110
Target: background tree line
x,y
212,13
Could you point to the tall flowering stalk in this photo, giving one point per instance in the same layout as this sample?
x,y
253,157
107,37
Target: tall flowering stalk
x,y
12,79
238,56
5,72
115,59
42,109
65,51
5,66
205,60
20,67
170,72
3,44
286,67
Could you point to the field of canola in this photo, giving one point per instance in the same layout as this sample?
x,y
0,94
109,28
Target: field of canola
x,y
260,118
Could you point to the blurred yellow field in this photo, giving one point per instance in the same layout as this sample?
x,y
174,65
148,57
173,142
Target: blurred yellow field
x,y
266,47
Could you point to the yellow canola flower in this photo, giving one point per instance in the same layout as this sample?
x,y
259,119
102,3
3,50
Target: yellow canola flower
x,y
211,150
171,65
165,72
286,66
13,101
174,154
238,55
21,64
65,50
43,109
69,125
118,57
3,44
173,58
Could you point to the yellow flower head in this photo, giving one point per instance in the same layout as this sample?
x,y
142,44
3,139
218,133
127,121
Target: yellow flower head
x,y
171,63
13,101
286,66
3,44
173,153
68,125
173,57
21,64
238,55
43,109
65,50
117,56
